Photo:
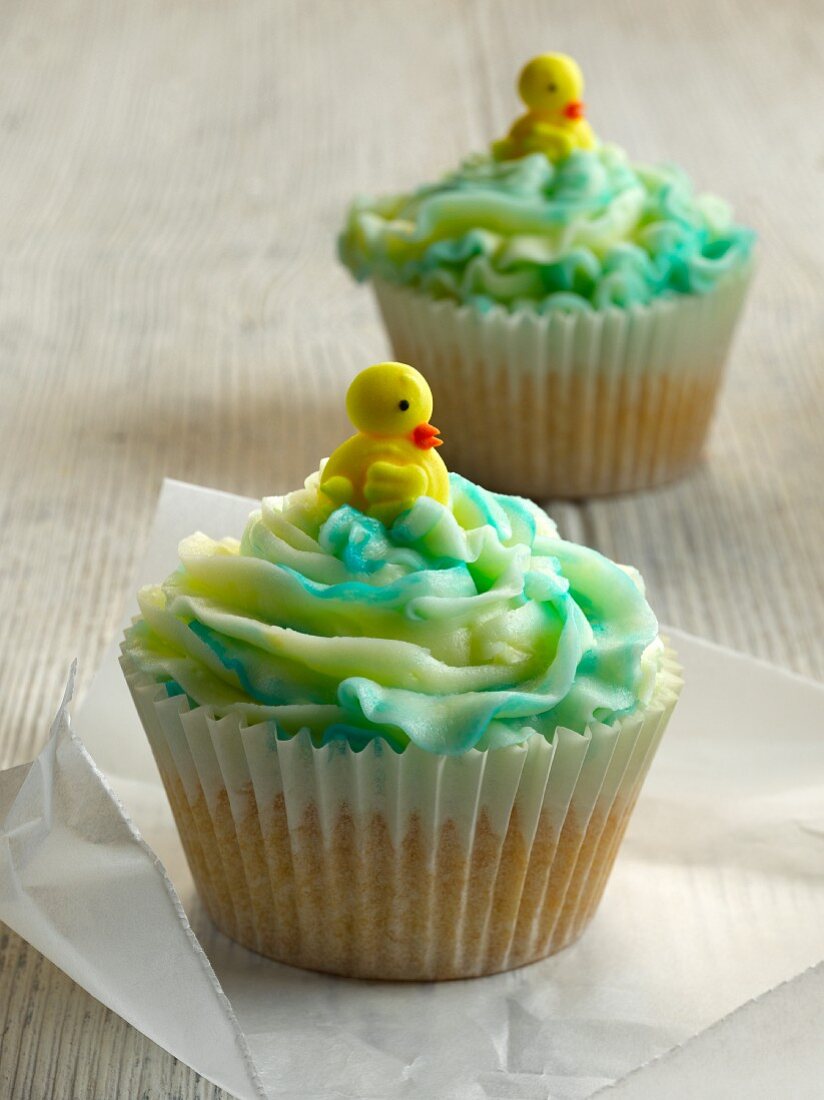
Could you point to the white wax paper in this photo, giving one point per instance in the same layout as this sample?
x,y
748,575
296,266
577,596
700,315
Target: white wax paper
x,y
717,896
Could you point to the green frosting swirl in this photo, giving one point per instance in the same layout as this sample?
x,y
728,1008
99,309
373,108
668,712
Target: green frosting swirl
x,y
460,626
590,232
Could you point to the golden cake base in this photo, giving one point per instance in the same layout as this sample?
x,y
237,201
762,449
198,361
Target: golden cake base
x,y
392,913
569,405
407,866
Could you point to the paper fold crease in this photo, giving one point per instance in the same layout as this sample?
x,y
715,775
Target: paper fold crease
x,y
78,882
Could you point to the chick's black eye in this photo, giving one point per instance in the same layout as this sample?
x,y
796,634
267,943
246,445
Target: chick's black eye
x,y
552,87
403,406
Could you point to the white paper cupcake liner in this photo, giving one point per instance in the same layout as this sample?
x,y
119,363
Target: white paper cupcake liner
x,y
391,865
569,404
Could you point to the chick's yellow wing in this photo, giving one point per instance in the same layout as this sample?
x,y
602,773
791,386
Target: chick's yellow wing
x,y
553,141
387,481
391,489
339,489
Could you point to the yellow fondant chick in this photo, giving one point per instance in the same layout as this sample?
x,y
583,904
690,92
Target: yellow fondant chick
x,y
391,461
551,85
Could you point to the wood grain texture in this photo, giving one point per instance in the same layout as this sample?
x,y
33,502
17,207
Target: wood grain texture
x,y
172,179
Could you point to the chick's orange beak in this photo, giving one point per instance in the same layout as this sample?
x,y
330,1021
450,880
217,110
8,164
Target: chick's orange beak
x,y
574,110
426,436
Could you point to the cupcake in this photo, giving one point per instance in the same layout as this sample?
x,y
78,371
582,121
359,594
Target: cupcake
x,y
571,309
401,723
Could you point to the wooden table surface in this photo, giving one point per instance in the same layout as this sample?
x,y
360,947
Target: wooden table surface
x,y
173,175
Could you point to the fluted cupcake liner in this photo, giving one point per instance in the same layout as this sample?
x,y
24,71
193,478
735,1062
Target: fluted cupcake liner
x,y
410,865
569,404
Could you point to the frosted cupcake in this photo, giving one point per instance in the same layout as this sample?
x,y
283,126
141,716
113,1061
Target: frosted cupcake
x,y
572,310
401,723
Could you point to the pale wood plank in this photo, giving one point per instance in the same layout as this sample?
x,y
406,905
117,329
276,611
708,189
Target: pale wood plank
x,y
58,1042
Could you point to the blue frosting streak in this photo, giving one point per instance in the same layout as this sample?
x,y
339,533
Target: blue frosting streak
x,y
461,626
593,231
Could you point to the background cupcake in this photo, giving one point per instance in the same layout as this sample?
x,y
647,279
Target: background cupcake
x,y
572,310
404,747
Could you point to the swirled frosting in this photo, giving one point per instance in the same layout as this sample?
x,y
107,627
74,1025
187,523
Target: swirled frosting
x,y
592,231
463,625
